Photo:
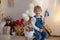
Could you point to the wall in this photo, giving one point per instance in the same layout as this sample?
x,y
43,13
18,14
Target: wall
x,y
53,21
2,10
20,6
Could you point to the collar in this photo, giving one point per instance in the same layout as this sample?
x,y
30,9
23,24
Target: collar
x,y
38,16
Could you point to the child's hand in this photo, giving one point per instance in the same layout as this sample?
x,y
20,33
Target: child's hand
x,y
40,30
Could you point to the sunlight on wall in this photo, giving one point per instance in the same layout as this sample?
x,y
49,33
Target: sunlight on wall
x,y
53,21
57,18
57,15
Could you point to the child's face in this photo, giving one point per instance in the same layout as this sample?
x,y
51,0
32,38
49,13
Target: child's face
x,y
37,12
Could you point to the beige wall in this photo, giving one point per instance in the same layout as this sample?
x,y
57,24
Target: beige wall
x,y
53,20
20,6
1,9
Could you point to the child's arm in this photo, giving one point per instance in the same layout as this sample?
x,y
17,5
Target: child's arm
x,y
33,20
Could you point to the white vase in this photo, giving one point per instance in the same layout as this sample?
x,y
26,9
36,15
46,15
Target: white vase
x,y
1,27
6,30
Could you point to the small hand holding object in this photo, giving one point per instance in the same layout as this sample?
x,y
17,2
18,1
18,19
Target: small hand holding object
x,y
40,30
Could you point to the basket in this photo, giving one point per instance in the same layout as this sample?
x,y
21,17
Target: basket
x,y
28,34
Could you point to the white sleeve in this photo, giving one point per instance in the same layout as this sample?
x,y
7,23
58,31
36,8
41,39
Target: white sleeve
x,y
43,19
33,20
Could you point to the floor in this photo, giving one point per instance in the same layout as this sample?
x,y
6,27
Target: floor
x,y
8,37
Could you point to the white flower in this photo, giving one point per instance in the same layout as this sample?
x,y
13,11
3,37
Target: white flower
x,y
25,17
31,6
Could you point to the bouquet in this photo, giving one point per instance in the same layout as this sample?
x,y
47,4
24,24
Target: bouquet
x,y
28,29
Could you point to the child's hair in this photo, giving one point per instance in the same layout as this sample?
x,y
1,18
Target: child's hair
x,y
37,7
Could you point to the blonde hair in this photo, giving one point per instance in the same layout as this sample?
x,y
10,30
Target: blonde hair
x,y
37,7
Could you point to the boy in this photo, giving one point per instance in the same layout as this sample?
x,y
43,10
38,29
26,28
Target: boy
x,y
37,24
